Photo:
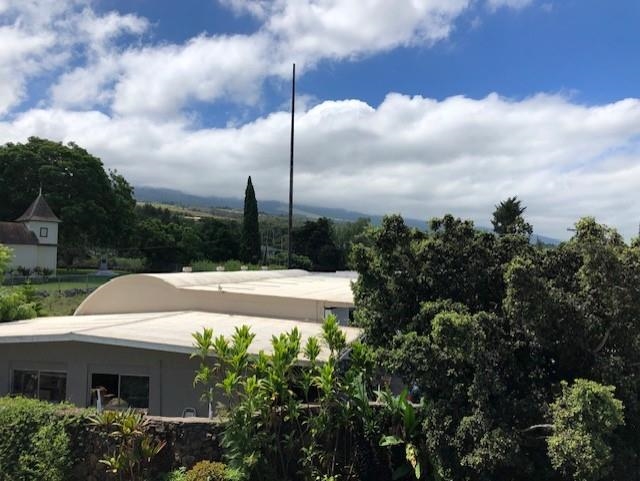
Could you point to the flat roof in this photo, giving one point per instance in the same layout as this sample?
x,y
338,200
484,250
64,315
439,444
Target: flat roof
x,y
160,331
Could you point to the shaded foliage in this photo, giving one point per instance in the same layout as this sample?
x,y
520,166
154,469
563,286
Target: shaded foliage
x,y
488,327
315,240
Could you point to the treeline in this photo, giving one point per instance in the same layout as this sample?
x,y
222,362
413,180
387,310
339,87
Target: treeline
x,y
100,218
168,240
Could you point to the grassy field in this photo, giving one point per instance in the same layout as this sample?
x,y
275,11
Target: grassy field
x,y
65,285
58,301
58,304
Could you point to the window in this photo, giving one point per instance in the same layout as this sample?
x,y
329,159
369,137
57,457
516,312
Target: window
x,y
44,231
44,385
120,391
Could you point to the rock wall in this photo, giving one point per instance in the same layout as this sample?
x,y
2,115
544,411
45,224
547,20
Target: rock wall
x,y
189,440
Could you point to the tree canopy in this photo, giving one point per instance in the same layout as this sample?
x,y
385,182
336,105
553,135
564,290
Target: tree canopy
x,y
315,240
497,333
96,207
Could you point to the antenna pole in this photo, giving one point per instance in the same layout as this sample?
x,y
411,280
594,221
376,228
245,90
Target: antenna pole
x,y
293,109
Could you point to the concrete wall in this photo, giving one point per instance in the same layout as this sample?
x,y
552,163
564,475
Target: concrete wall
x,y
170,375
133,294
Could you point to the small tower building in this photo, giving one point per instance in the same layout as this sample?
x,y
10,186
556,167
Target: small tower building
x,y
33,237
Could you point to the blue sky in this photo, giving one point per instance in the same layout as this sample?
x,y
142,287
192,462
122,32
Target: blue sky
x,y
421,107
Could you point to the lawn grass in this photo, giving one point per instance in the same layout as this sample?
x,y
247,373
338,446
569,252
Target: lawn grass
x,y
81,283
64,283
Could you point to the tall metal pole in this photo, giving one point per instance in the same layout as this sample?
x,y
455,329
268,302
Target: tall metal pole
x,y
293,109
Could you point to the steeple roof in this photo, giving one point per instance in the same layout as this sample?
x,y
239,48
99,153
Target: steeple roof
x,y
38,210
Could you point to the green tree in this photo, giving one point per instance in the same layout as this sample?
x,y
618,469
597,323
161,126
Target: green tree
x,y
315,240
507,218
489,327
219,239
251,250
96,207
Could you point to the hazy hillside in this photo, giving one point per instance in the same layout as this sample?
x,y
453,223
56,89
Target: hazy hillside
x,y
274,207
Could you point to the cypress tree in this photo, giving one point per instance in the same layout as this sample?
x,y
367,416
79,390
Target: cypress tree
x,y
251,251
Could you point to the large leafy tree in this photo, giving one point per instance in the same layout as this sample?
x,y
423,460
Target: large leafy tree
x,y
490,328
251,250
96,207
315,240
219,239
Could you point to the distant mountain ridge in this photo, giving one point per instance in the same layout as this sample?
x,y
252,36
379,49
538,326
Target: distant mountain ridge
x,y
275,207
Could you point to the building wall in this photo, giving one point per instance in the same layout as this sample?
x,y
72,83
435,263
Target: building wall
x,y
51,236
170,375
47,256
24,255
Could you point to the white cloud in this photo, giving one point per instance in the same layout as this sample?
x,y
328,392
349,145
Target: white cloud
x,y
312,30
39,36
158,80
413,155
515,4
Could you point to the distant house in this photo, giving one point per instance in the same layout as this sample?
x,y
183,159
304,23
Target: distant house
x,y
33,237
131,339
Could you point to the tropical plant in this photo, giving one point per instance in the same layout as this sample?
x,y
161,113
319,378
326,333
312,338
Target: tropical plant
x,y
406,433
286,421
134,448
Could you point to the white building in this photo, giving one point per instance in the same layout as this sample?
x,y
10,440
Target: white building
x,y
133,336
33,237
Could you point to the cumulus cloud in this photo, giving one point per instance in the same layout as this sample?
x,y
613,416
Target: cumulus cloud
x,y
158,80
413,155
39,36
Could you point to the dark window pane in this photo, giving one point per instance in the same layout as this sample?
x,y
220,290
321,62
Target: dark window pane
x,y
53,386
134,390
25,383
107,384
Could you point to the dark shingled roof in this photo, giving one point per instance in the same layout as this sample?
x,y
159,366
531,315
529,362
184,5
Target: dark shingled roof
x,y
39,210
16,233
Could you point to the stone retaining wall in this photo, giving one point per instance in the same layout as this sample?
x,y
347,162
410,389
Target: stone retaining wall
x,y
189,440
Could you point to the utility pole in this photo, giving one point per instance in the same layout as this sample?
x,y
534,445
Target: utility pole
x,y
293,109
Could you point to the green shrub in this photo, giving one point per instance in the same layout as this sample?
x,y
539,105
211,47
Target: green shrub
x,y
18,303
33,441
179,474
207,471
297,261
129,264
